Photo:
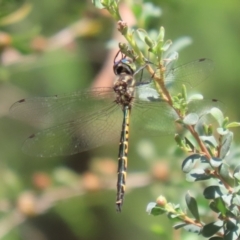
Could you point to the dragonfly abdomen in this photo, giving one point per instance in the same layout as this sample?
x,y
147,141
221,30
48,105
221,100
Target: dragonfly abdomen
x,y
123,158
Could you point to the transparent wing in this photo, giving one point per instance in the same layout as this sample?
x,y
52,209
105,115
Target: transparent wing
x,y
155,115
58,109
76,136
157,118
203,107
80,121
190,74
153,118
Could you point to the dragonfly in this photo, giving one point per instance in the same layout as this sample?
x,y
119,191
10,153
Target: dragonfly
x,y
83,120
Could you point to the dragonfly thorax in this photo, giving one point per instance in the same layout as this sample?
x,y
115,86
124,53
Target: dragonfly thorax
x,y
124,89
124,84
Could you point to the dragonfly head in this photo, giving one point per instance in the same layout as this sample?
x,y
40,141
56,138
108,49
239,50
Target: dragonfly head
x,y
125,65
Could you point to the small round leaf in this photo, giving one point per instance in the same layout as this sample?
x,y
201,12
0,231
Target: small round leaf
x,y
226,144
215,162
97,4
197,175
154,210
189,162
191,119
236,172
225,173
166,45
192,206
220,205
193,228
212,192
231,224
151,10
217,114
196,96
150,206
142,34
210,140
222,131
211,228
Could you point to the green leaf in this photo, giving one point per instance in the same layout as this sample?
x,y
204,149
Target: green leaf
x,y
226,144
233,124
236,202
161,35
204,161
210,140
212,192
227,198
231,224
179,225
237,189
193,228
220,205
180,44
157,50
225,122
142,34
215,162
97,4
236,172
189,162
184,92
196,96
166,45
172,56
192,206
157,211
224,171
213,207
191,119
216,238
197,175
149,42
222,131
218,115
172,215
177,208
211,228
151,10
150,206
154,210
231,235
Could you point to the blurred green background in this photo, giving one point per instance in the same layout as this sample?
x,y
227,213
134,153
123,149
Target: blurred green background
x,y
59,47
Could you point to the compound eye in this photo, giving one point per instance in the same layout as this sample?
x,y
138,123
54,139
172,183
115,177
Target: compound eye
x,y
119,70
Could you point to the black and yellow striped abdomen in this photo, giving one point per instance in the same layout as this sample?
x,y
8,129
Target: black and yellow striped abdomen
x,y
123,158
